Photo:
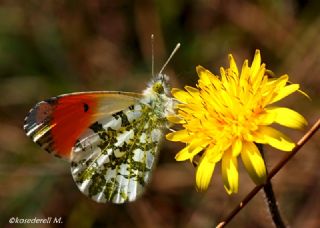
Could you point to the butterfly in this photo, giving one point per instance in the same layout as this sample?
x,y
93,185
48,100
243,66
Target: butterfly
x,y
111,139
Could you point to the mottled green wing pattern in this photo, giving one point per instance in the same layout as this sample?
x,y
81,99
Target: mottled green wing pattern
x,y
112,161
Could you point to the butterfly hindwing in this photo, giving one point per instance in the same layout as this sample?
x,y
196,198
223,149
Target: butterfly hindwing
x,y
56,123
113,159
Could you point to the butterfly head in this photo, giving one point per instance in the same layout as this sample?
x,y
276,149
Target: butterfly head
x,y
160,85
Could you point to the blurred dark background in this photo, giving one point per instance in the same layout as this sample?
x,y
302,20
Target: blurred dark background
x,y
54,47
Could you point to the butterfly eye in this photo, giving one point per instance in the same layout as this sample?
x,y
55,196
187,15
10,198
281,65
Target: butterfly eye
x,y
158,87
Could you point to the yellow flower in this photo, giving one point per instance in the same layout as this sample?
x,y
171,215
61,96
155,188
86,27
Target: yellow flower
x,y
226,116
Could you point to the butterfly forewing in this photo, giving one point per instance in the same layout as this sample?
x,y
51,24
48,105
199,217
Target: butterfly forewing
x,y
56,123
113,159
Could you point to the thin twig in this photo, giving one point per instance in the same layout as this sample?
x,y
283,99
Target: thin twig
x,y
273,172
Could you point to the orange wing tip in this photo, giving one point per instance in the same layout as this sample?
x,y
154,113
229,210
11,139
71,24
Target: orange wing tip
x,y
57,123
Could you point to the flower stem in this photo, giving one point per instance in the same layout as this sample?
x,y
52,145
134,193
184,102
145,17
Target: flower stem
x,y
271,198
272,203
273,172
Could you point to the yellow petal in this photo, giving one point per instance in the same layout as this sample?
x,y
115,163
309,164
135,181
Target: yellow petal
x,y
206,77
230,174
233,65
176,119
266,118
287,117
198,142
236,147
255,66
271,136
276,83
253,162
204,173
181,95
183,154
195,94
257,78
203,74
222,74
285,91
192,91
186,154
244,72
176,136
214,153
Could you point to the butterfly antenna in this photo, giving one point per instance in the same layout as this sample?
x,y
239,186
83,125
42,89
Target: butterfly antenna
x,y
152,55
170,57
